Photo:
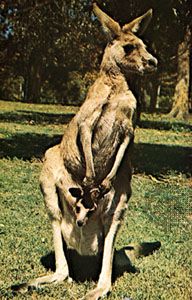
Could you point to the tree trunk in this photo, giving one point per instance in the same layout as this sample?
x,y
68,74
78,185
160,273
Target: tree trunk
x,y
33,80
180,107
153,93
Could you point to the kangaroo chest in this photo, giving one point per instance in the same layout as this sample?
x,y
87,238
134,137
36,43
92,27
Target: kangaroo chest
x,y
116,118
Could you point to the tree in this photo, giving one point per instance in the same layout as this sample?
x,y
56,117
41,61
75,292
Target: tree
x,y
180,108
51,41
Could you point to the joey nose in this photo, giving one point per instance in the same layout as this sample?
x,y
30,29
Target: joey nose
x,y
80,223
152,62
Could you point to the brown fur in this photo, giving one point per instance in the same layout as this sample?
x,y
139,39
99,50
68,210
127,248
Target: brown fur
x,y
94,156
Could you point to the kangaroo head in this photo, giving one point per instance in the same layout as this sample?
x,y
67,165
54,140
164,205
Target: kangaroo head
x,y
126,52
83,207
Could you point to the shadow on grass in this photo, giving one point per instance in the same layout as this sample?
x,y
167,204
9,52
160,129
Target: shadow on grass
x,y
159,159
83,268
165,125
148,158
21,116
27,146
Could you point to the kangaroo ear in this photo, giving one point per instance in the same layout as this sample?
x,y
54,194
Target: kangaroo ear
x,y
76,193
111,27
140,24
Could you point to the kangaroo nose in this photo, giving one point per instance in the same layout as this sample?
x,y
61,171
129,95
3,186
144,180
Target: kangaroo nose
x,y
80,223
152,62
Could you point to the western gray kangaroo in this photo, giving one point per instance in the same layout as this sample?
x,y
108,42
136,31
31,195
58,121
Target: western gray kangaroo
x,y
86,179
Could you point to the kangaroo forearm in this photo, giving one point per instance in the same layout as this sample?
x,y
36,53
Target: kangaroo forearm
x,y
119,157
86,136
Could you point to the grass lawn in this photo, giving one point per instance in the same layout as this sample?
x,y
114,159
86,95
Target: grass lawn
x,y
160,208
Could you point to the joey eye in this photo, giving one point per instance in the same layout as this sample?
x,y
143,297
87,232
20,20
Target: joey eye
x,y
128,48
77,209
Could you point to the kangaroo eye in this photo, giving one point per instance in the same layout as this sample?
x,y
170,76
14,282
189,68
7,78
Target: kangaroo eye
x,y
128,48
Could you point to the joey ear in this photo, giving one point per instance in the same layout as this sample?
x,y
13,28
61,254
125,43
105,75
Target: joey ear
x,y
111,27
76,193
139,24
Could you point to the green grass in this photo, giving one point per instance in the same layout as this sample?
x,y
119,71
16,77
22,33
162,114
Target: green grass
x,y
160,208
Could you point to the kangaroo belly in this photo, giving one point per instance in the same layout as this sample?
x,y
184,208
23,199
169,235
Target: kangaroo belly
x,y
86,240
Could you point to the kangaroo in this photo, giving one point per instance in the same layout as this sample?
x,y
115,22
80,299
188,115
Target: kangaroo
x,y
86,179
